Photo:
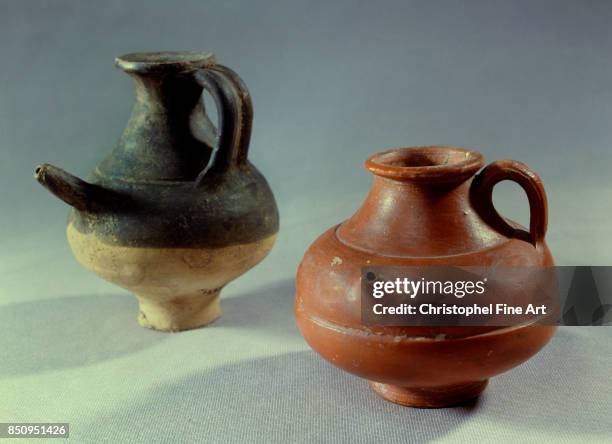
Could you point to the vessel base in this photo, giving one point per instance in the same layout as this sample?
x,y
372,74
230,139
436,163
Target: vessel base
x,y
429,397
179,313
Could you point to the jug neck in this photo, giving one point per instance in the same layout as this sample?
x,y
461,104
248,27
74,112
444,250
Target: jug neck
x,y
168,97
168,136
419,205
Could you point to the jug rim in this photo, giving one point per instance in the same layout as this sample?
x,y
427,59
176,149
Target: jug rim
x,y
426,164
170,61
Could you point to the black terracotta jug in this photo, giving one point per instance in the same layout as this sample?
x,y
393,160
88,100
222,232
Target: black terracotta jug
x,y
176,210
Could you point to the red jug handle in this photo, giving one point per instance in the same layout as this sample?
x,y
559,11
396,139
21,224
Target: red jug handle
x,y
481,194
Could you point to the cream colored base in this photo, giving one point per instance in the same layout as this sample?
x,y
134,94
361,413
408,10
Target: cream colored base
x,y
181,313
177,288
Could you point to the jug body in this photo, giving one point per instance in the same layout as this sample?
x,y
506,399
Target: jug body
x,y
426,208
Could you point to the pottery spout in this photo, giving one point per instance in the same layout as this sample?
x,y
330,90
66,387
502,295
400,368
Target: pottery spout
x,y
81,195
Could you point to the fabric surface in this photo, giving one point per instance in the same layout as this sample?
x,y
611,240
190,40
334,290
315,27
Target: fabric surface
x,y
72,351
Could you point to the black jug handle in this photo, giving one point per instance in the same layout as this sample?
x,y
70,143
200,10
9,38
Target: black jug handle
x,y
235,118
481,194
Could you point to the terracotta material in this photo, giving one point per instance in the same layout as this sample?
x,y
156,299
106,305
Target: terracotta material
x,y
426,207
176,210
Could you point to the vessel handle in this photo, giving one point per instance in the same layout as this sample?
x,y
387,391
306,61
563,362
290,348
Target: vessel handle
x,y
235,118
481,193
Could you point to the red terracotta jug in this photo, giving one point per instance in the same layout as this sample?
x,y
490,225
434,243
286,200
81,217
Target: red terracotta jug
x,y
427,207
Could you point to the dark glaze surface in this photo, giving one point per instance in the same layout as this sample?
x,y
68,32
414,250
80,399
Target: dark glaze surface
x,y
236,208
173,180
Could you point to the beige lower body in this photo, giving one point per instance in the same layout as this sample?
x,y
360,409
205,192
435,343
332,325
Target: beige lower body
x,y
177,288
